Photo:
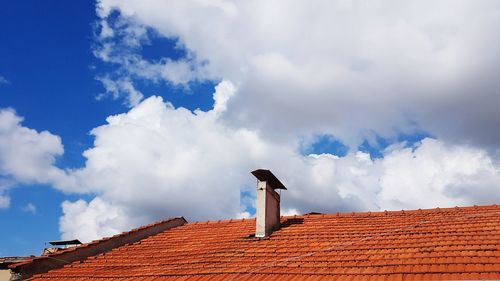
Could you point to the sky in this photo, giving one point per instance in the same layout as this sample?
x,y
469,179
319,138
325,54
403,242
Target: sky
x,y
114,114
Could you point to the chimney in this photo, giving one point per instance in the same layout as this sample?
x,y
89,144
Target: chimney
x,y
268,203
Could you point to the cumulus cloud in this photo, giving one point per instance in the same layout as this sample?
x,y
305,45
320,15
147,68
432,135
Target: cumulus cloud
x,y
291,70
223,92
28,156
92,220
285,71
346,68
160,160
437,174
156,161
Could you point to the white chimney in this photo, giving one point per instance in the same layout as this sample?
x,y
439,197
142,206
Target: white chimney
x,y
268,203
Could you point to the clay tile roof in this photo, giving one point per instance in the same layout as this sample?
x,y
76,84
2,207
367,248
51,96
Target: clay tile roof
x,y
435,244
5,262
33,265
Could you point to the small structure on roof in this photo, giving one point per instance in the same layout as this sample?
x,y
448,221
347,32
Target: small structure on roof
x,y
59,245
65,243
5,262
267,207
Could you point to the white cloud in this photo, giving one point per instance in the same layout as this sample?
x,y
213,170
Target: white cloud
x,y
436,174
162,160
28,156
88,221
346,68
116,87
119,43
223,92
30,208
289,70
157,161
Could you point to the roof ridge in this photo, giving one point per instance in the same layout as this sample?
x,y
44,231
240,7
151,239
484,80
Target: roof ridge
x,y
363,213
403,211
221,221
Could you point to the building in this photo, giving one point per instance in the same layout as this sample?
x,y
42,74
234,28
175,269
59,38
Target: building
x,y
5,262
434,244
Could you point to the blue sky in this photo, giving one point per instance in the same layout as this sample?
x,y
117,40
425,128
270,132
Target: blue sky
x,y
50,69
48,63
47,60
52,60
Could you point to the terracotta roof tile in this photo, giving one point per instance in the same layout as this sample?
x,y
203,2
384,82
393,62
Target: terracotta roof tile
x,y
436,244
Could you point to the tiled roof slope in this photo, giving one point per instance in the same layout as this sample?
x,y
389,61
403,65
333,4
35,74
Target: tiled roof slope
x,y
34,265
437,244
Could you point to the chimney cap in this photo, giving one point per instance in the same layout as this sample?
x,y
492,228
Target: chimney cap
x,y
269,177
65,242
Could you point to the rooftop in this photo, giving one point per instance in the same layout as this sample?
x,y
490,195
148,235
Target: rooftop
x,y
435,244
6,261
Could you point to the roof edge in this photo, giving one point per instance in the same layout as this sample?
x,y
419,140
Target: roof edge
x,y
43,264
365,213
400,212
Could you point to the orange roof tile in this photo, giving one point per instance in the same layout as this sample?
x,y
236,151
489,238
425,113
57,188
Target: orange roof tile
x,y
436,244
66,257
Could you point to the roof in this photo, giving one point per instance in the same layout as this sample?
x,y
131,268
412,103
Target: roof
x,y
435,244
6,261
33,265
